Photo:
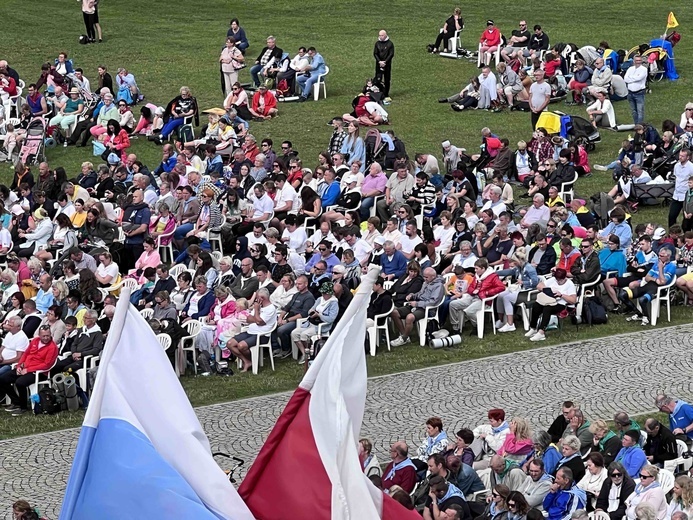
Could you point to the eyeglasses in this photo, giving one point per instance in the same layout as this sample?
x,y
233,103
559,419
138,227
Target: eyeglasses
x,y
585,247
643,477
511,504
495,495
275,166
616,475
285,147
551,226
264,145
322,249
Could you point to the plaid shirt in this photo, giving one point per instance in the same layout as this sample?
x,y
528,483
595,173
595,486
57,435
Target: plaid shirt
x,y
336,142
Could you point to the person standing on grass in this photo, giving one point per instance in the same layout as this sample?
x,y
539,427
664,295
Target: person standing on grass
x,y
539,96
636,81
384,52
90,19
683,170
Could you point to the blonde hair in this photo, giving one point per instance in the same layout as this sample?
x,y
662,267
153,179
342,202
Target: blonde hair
x,y
522,429
599,426
9,273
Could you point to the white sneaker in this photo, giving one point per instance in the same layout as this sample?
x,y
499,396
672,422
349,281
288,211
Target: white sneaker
x,y
530,333
499,324
644,321
539,336
634,317
507,328
599,167
399,341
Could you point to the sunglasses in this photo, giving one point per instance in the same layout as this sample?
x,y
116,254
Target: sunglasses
x,y
495,495
584,247
512,504
616,475
550,226
643,477
322,249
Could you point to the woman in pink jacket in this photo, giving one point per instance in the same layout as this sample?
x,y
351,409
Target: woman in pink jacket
x,y
117,140
518,442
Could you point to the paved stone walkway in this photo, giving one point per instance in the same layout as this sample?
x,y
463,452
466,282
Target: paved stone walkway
x,y
603,375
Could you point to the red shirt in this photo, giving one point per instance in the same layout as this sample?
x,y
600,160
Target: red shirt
x,y
551,66
35,358
490,37
270,102
404,478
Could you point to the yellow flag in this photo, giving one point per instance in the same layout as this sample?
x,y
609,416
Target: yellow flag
x,y
671,21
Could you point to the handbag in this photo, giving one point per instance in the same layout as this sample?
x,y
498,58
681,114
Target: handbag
x,y
546,300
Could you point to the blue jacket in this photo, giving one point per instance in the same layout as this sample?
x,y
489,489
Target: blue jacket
x,y
328,314
331,194
357,150
681,417
633,459
396,266
167,166
204,305
551,458
215,164
561,504
612,261
317,64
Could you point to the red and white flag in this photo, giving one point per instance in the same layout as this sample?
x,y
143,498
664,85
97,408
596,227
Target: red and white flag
x,y
309,465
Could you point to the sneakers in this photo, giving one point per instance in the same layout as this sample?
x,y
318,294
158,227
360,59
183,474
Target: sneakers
x,y
539,336
443,100
507,328
302,359
634,317
499,324
12,408
599,167
457,107
399,341
645,322
387,100
618,309
530,333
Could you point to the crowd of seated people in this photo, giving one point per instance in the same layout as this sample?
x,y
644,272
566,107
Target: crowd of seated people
x,y
511,468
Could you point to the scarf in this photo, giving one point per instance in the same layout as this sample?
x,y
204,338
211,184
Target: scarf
x,y
603,442
87,331
566,459
505,425
509,464
399,465
367,462
432,441
580,494
453,491
639,489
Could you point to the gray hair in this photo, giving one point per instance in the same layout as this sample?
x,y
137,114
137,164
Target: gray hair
x,y
538,196
263,292
388,243
465,243
542,439
496,189
142,177
645,511
93,314
109,310
572,442
199,280
15,321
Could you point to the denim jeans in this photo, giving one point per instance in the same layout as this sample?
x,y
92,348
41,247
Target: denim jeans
x,y
636,100
365,209
306,82
254,71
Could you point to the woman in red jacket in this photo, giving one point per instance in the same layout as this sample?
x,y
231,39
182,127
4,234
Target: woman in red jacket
x,y
485,284
490,40
264,104
39,356
117,141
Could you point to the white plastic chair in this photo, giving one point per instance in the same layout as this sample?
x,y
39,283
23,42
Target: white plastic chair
x,y
130,283
88,362
147,313
374,208
372,332
299,325
663,296
599,515
193,328
488,306
175,271
216,255
567,192
34,387
666,480
454,43
422,324
586,290
214,237
420,215
168,248
164,340
264,341
672,465
481,59
321,82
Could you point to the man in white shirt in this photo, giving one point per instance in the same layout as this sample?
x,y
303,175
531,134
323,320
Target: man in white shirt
x,y
428,163
360,247
257,235
285,200
13,345
683,170
409,240
636,80
391,231
495,203
321,234
295,237
539,96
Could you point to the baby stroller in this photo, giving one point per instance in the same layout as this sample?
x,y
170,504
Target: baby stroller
x,y
580,131
33,147
375,148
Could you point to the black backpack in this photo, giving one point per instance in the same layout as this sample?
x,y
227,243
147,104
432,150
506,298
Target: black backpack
x,y
594,312
47,402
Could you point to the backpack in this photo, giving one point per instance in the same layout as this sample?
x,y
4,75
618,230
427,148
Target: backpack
x,y
47,402
594,312
282,88
432,326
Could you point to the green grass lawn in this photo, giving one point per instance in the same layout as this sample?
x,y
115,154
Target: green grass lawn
x,y
174,43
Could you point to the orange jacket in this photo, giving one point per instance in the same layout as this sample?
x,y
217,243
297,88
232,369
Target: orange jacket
x,y
35,358
270,102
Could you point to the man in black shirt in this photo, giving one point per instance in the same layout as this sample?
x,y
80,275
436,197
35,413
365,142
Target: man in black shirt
x,y
538,42
384,52
518,42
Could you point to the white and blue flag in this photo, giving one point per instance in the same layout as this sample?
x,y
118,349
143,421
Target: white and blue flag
x,y
142,452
